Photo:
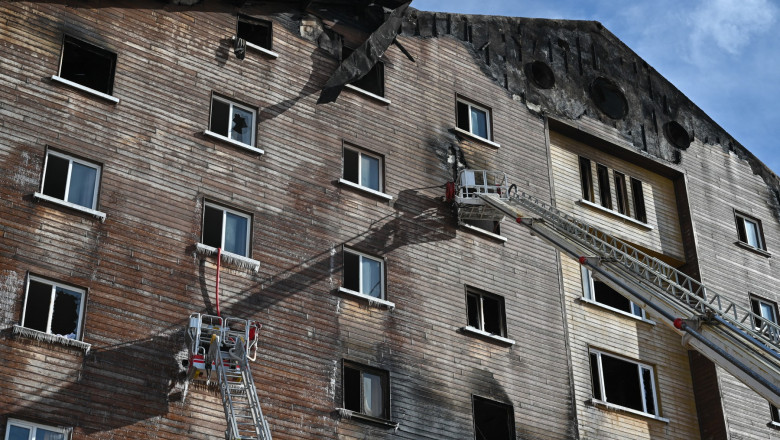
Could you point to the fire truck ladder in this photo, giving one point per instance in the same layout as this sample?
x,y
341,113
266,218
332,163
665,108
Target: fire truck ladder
x,y
733,337
223,347
239,396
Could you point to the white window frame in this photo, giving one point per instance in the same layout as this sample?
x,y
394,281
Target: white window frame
x,y
54,285
588,295
381,261
33,427
774,415
225,210
741,218
488,119
640,366
253,125
362,153
72,159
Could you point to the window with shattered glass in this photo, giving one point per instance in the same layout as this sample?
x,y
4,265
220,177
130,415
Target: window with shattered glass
x,y
53,308
232,120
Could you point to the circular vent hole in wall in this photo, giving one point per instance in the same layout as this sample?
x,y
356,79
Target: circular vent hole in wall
x,y
540,74
609,98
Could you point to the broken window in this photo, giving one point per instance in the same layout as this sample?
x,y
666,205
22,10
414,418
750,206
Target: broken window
x,y
23,430
775,411
623,382
605,196
485,311
621,193
232,120
763,308
255,31
492,226
53,308
366,390
363,168
474,118
373,81
363,274
750,231
586,179
70,179
639,200
493,420
87,65
227,229
597,291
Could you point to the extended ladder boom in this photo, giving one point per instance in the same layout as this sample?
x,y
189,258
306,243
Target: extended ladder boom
x,y
735,338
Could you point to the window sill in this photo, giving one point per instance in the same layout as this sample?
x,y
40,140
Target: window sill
x,y
600,208
99,215
229,257
773,425
612,407
497,237
750,248
85,89
352,415
260,49
372,301
484,334
381,99
373,192
50,338
612,309
219,137
471,135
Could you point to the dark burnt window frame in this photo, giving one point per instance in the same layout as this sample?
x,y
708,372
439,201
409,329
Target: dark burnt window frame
x,y
17,428
233,122
629,190
372,84
596,292
474,120
750,233
364,170
71,181
53,307
486,315
493,420
87,67
257,32
366,404
620,383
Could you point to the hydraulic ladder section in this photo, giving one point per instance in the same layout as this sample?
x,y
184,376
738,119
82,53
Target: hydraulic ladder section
x,y
220,351
733,337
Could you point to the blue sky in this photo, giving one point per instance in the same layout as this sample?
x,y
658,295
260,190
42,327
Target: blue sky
x,y
724,55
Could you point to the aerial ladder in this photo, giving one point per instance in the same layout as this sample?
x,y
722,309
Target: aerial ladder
x,y
735,338
219,353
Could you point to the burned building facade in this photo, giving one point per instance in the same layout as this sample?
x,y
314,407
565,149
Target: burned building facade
x,y
391,201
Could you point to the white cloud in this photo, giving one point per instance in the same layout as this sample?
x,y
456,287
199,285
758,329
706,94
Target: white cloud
x,y
730,24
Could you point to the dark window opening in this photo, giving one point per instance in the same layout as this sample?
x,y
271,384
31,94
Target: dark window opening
x,y
56,178
88,65
463,116
220,117
605,195
352,271
373,81
486,312
608,296
775,413
256,31
622,383
491,226
52,308
609,98
366,390
351,166
639,200
586,179
621,194
212,226
493,420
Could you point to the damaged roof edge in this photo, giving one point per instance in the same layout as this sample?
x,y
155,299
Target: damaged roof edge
x,y
578,53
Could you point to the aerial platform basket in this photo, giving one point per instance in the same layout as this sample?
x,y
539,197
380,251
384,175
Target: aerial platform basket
x,y
466,191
